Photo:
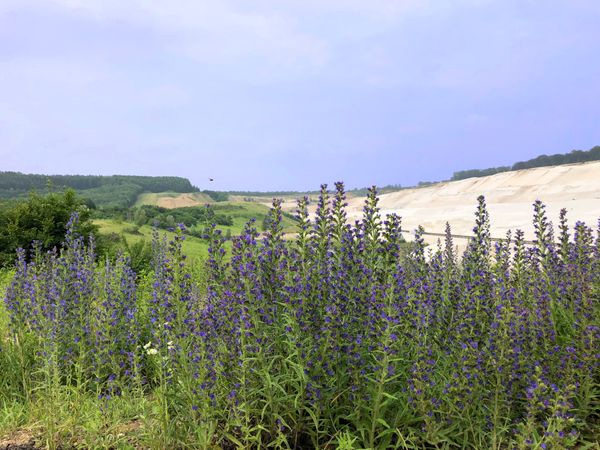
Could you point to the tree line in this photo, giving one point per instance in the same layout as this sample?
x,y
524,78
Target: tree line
x,y
102,191
28,182
575,156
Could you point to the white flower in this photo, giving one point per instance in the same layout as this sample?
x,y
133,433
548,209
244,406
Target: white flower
x,y
152,351
147,346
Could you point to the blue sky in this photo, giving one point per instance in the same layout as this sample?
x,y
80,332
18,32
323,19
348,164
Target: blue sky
x,y
278,94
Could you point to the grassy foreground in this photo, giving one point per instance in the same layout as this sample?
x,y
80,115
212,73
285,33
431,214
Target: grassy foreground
x,y
334,340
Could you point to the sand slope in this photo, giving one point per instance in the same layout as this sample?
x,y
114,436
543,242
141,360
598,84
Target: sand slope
x,y
173,199
509,197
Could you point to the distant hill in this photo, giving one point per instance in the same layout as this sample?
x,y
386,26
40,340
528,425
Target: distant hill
x,y
115,191
509,197
123,191
575,156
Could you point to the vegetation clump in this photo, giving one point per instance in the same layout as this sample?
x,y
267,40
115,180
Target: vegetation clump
x,y
190,216
335,339
41,219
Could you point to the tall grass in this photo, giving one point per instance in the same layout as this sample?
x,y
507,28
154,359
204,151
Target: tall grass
x,y
338,339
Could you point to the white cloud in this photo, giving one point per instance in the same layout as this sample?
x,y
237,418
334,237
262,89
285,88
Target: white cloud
x,y
277,33
211,31
267,37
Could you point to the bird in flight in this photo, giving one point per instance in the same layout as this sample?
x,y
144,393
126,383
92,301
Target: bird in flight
x,y
211,179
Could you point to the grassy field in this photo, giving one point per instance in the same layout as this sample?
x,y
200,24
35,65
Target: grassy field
x,y
242,212
196,249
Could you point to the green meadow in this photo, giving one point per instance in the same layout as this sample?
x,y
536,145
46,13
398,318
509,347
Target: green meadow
x,y
195,248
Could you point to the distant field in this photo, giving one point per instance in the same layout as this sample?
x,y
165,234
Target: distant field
x,y
173,199
194,248
180,200
240,212
289,202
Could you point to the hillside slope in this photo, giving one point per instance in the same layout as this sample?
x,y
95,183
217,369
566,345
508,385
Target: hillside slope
x,y
173,199
509,196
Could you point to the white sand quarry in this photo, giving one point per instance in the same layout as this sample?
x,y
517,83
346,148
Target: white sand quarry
x,y
509,197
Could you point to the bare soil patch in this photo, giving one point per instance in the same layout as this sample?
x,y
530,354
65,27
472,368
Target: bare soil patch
x,y
180,201
19,440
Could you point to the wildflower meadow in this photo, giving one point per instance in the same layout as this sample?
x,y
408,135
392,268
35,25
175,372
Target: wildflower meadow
x,y
345,336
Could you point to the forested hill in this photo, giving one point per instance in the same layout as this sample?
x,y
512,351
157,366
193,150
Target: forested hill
x,y
575,156
103,191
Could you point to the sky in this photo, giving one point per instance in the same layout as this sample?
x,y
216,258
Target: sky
x,y
290,94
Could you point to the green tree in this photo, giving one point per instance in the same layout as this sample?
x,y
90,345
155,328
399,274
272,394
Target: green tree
x,y
140,217
41,218
170,220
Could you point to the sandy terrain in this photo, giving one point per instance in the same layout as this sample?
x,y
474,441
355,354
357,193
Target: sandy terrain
x,y
174,200
509,197
179,201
